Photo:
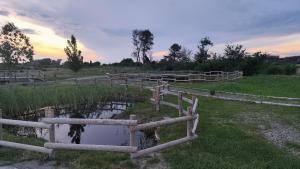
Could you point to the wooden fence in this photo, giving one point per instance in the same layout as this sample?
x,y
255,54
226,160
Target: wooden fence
x,y
189,116
21,76
212,76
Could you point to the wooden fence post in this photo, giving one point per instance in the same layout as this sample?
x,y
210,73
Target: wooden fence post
x,y
180,108
132,134
1,132
141,85
157,98
193,100
49,113
189,123
126,82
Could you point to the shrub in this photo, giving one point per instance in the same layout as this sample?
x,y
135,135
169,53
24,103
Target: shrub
x,y
290,69
274,70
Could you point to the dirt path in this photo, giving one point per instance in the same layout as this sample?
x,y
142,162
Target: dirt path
x,y
275,130
153,161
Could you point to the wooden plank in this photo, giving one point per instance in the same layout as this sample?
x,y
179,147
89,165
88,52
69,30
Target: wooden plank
x,y
180,106
25,147
163,146
89,121
132,137
90,147
49,112
170,92
196,121
169,104
162,122
187,100
195,105
24,123
189,123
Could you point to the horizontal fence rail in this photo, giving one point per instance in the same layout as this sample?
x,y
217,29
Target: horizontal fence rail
x,y
89,121
125,149
25,147
163,146
24,123
162,122
174,77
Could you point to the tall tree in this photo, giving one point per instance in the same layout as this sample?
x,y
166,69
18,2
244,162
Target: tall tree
x,y
202,55
146,38
174,53
143,42
136,44
15,47
75,60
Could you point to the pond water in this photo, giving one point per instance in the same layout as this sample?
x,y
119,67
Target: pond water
x,y
91,134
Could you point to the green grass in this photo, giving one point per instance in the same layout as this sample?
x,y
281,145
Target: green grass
x,y
65,73
224,140
271,85
15,99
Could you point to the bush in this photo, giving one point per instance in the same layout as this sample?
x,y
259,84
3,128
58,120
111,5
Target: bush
x,y
274,70
290,69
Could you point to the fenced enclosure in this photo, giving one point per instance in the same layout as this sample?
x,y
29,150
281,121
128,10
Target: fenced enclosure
x,y
212,76
189,116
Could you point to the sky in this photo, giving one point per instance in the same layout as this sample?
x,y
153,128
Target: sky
x,y
103,27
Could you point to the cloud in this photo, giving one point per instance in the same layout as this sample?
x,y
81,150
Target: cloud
x,y
105,26
4,13
29,31
159,54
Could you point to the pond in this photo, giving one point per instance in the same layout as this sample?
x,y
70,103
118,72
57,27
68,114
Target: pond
x,y
90,134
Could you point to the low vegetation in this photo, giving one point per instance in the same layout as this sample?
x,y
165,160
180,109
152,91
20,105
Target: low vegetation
x,y
276,85
16,99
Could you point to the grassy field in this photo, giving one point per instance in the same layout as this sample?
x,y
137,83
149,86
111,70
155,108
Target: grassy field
x,y
271,85
65,73
231,134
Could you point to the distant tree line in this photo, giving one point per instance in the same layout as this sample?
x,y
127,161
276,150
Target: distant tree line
x,y
15,48
235,57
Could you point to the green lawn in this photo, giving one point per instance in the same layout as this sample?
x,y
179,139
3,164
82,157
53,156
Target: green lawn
x,y
225,141
271,85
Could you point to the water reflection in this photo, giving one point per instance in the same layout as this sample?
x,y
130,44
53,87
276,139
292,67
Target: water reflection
x,y
91,134
76,129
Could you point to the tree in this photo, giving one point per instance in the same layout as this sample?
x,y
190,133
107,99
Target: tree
x,y
146,38
15,47
136,44
185,55
143,42
174,53
127,62
75,60
177,53
202,55
235,52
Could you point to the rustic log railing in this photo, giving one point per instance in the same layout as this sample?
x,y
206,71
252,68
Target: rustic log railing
x,y
21,76
189,116
212,76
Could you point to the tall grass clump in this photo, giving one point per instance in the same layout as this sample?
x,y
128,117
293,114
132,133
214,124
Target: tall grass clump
x,y
17,99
